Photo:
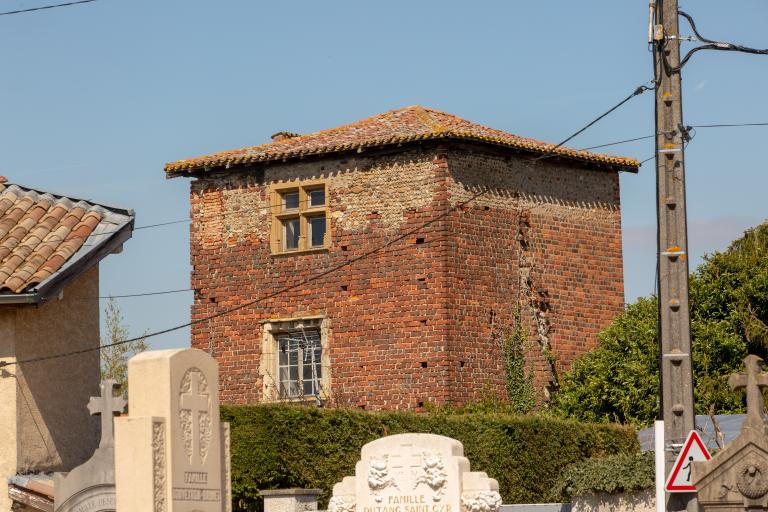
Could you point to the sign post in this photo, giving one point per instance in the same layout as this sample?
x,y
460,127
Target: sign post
x,y
658,455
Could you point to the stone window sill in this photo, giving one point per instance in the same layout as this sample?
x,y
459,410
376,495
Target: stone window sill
x,y
302,251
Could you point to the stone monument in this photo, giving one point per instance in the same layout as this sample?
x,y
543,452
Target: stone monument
x,y
415,473
91,486
171,451
736,478
290,500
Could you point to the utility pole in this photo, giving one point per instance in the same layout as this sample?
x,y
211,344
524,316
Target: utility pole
x,y
674,316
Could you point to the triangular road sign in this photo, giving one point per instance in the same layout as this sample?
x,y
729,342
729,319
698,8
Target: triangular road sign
x,y
693,450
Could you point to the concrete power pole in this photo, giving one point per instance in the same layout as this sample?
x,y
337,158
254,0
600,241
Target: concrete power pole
x,y
674,316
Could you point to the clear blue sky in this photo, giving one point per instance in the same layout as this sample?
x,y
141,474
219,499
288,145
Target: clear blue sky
x,y
96,98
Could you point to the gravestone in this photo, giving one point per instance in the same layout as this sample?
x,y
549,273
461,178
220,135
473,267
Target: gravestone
x,y
415,473
90,487
171,451
736,478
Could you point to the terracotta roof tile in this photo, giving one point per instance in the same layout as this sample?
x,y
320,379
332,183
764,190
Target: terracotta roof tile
x,y
394,127
41,233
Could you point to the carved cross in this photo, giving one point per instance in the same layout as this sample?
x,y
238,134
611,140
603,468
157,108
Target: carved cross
x,y
107,405
197,403
402,460
753,381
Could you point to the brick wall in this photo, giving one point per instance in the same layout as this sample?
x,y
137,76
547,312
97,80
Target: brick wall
x,y
415,312
536,241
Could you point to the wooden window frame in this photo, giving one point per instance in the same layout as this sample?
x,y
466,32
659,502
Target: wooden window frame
x,y
304,212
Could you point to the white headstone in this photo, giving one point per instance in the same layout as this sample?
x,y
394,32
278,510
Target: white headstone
x,y
171,451
415,473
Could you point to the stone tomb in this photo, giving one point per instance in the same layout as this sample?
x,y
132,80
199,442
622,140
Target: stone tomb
x,y
736,478
415,473
90,487
171,451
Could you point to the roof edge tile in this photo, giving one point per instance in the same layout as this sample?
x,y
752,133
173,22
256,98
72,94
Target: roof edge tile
x,y
409,124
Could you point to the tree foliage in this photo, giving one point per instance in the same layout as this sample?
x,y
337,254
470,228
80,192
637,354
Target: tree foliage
x,y
114,358
619,381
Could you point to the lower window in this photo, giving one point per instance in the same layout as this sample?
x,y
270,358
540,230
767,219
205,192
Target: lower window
x,y
294,364
299,363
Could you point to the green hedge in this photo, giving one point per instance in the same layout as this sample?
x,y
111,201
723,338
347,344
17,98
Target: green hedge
x,y
613,474
279,446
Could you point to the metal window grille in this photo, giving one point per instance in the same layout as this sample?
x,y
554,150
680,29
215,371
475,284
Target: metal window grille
x,y
299,368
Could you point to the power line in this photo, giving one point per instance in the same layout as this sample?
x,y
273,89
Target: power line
x,y
638,91
710,45
727,125
618,142
546,155
722,125
320,274
161,224
46,7
259,299
144,294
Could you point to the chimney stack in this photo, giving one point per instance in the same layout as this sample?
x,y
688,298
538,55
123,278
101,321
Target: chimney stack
x,y
281,136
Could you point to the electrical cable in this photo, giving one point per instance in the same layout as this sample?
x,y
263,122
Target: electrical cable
x,y
722,125
736,125
274,294
710,45
638,91
161,224
46,7
546,155
144,294
181,290
618,142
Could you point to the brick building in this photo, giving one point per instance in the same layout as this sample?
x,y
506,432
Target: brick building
x,y
381,264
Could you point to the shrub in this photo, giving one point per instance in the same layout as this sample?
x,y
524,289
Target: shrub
x,y
279,446
613,474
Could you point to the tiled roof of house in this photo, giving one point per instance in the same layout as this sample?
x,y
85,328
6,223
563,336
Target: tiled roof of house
x,y
43,236
408,124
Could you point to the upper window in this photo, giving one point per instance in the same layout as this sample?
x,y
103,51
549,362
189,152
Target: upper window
x,y
299,217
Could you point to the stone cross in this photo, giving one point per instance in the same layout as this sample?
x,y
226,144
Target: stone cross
x,y
753,381
106,405
408,457
197,403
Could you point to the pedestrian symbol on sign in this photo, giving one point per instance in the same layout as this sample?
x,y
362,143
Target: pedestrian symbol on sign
x,y
688,467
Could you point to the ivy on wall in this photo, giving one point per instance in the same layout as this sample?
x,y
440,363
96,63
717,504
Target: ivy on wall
x,y
519,383
614,474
